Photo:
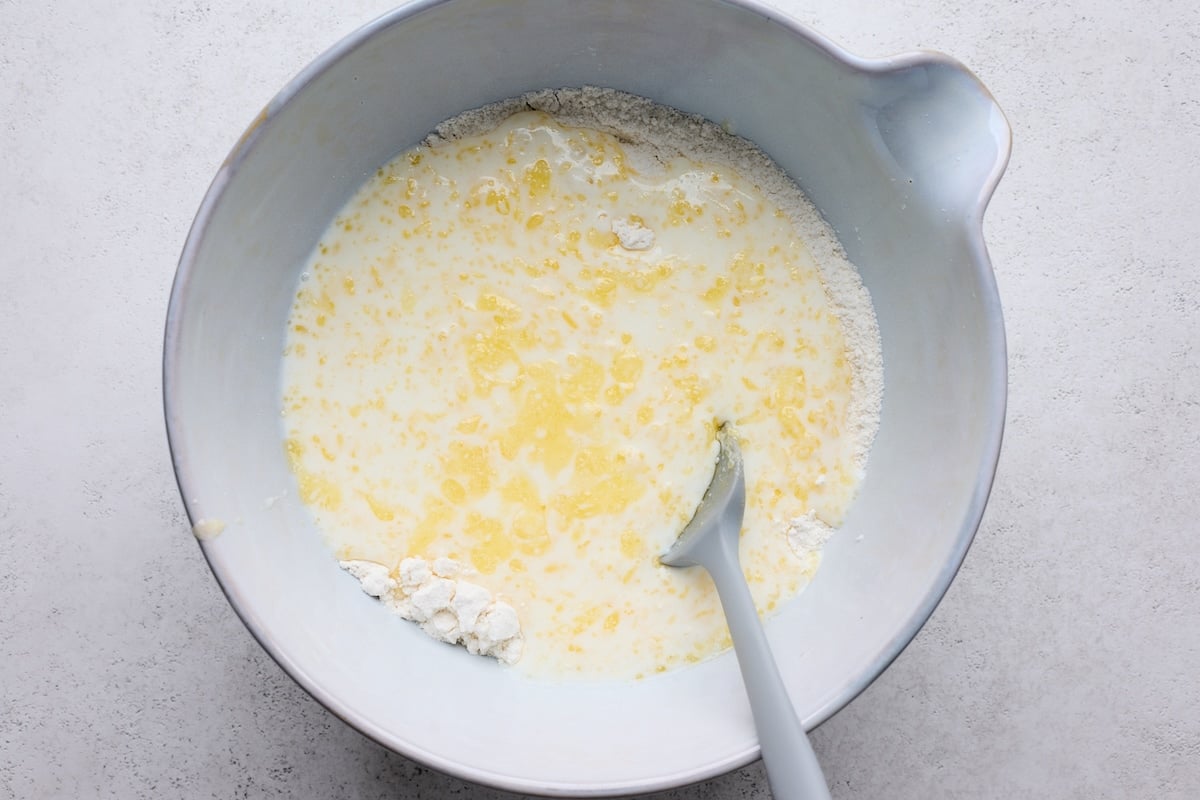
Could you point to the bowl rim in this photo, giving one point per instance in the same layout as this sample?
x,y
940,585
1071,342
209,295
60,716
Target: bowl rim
x,y
995,411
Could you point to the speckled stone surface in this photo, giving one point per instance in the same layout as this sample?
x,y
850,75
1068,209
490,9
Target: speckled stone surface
x,y
1063,662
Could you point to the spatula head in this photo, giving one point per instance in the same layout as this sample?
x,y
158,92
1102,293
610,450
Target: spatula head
x,y
720,510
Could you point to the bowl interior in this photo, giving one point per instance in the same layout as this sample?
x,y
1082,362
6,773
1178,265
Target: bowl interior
x,y
899,156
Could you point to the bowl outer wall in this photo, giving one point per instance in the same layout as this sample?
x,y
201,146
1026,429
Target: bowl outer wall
x,y
901,155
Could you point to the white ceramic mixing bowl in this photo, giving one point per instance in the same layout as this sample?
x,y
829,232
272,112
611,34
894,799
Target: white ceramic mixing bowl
x,y
900,155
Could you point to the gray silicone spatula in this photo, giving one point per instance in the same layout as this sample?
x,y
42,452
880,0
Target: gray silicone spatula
x,y
710,540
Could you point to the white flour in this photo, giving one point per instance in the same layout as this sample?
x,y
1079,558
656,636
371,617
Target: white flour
x,y
446,606
807,533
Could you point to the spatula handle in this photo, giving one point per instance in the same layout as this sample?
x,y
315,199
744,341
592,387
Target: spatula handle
x,y
792,766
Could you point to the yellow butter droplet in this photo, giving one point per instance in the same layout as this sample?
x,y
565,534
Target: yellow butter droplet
x,y
530,532
493,546
294,450
538,178
717,291
631,545
382,511
316,490
627,366
469,425
453,491
602,240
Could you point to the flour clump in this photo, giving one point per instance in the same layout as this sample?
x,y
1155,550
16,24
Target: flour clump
x,y
445,606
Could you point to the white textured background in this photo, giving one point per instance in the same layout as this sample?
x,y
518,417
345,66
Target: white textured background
x,y
1065,660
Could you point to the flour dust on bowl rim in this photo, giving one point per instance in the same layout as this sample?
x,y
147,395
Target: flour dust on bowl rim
x,y
900,155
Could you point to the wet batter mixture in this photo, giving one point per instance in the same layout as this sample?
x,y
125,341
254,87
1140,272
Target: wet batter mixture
x,y
511,349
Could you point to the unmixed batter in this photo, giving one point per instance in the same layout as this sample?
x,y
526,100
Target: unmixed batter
x,y
510,351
